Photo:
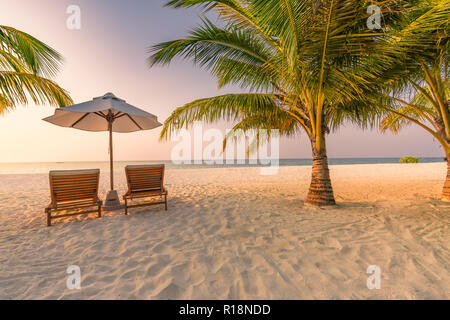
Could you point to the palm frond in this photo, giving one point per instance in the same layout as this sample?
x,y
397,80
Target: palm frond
x,y
38,58
394,122
26,66
15,88
209,43
230,107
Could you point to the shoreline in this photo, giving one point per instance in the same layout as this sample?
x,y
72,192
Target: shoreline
x,y
119,166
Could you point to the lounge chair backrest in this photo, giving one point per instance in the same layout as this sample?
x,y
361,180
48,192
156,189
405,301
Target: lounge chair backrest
x,y
149,177
74,185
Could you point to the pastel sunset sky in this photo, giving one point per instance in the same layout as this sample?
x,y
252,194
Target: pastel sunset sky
x,y
109,54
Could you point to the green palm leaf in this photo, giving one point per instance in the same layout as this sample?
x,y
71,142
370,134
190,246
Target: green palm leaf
x,y
26,66
230,107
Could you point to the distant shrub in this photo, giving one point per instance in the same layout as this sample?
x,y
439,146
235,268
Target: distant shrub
x,y
409,160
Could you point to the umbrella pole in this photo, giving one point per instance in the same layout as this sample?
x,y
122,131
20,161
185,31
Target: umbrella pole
x,y
111,166
112,198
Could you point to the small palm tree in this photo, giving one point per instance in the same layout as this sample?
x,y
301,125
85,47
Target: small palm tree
x,y
419,49
25,66
299,60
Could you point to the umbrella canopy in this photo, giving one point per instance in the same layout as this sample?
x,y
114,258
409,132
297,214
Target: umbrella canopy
x,y
95,115
106,113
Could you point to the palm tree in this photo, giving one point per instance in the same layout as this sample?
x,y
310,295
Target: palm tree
x,y
299,60
25,66
418,83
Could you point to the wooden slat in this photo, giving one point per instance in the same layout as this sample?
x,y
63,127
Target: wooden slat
x,y
75,197
92,185
72,181
76,206
79,191
73,191
145,182
76,184
143,194
144,178
76,188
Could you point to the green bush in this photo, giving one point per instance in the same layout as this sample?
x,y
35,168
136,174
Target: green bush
x,y
409,160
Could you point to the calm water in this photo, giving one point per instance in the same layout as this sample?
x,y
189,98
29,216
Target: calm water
x,y
45,167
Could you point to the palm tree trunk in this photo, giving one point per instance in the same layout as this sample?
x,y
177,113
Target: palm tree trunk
x,y
446,191
321,191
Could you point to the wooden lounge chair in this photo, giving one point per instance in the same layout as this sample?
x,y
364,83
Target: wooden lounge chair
x,y
73,190
145,182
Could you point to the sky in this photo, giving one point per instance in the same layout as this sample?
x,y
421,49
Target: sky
x,y
108,54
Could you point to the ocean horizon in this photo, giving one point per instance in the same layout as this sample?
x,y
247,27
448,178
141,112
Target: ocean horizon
x,y
45,167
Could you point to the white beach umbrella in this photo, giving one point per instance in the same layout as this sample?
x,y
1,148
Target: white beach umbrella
x,y
106,113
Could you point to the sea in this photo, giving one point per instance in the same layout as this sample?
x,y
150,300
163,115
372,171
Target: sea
x,y
45,167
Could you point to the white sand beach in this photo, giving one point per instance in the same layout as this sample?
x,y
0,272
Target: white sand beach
x,y
234,234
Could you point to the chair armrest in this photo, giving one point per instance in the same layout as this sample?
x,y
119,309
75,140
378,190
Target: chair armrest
x,y
100,202
51,205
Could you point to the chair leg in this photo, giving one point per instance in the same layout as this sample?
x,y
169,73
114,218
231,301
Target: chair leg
x,y
49,218
99,211
165,201
126,206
